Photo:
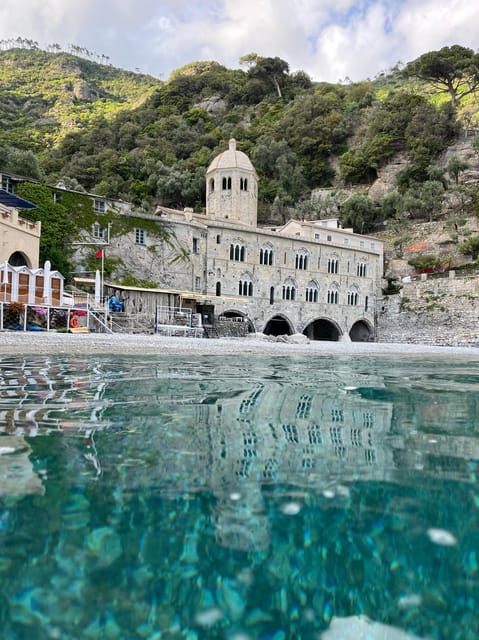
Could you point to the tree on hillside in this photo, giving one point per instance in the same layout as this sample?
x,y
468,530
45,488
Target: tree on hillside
x,y
360,213
273,70
453,70
424,200
20,161
470,247
455,167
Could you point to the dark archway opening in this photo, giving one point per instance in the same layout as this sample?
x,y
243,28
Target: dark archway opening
x,y
361,332
322,330
231,315
18,259
278,326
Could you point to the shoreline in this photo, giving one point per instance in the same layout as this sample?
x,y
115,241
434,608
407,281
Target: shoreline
x,y
23,344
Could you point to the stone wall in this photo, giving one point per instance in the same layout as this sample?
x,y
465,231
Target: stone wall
x,y
434,311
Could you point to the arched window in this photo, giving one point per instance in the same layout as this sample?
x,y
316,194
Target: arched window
x,y
237,252
245,286
226,183
289,290
353,297
244,184
301,260
266,256
212,185
312,292
218,288
333,265
271,295
361,269
333,295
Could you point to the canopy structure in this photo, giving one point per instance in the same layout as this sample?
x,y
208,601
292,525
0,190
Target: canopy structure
x,y
11,200
31,286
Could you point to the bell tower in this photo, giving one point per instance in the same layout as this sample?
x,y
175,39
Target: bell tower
x,y
232,188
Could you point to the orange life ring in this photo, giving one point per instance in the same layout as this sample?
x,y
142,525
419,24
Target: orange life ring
x,y
73,322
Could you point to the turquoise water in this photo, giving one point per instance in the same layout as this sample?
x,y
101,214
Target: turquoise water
x,y
239,498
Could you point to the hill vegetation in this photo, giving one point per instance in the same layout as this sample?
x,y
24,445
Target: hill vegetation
x,y
126,135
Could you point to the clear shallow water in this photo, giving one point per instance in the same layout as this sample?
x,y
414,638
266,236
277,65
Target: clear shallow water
x,y
238,498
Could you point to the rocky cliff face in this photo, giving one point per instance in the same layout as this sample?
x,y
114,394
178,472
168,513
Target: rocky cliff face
x,y
432,310
456,221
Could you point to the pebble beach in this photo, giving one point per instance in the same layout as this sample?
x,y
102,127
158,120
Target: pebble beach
x,y
21,343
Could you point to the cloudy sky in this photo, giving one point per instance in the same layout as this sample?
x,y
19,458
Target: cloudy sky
x,y
329,39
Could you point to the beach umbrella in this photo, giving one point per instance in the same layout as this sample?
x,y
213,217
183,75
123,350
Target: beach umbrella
x,y
97,287
47,289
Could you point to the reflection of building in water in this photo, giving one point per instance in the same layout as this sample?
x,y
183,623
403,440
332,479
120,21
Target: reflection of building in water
x,y
275,436
178,431
301,438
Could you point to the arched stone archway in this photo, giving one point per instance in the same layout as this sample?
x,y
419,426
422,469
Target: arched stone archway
x,y
19,259
361,331
322,329
278,326
231,314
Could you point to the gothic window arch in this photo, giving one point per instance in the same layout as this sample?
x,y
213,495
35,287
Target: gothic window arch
x,y
289,289
243,184
237,251
245,285
333,264
266,254
361,269
212,185
301,259
353,296
312,291
226,183
333,294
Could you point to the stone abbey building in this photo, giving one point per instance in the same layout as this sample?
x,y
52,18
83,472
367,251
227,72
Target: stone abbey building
x,y
309,277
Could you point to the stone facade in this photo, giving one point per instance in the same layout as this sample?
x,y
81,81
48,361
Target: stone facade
x,y
302,277
310,277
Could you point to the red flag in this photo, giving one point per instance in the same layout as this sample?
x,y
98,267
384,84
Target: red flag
x,y
99,254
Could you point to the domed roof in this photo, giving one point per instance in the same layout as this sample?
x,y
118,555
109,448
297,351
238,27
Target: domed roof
x,y
231,159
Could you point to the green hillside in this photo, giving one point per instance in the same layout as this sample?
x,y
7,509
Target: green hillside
x,y
130,136
45,95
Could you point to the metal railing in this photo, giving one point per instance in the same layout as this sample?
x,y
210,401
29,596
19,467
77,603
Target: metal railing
x,y
17,316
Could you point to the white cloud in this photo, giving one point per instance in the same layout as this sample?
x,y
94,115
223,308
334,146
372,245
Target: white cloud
x,y
330,39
